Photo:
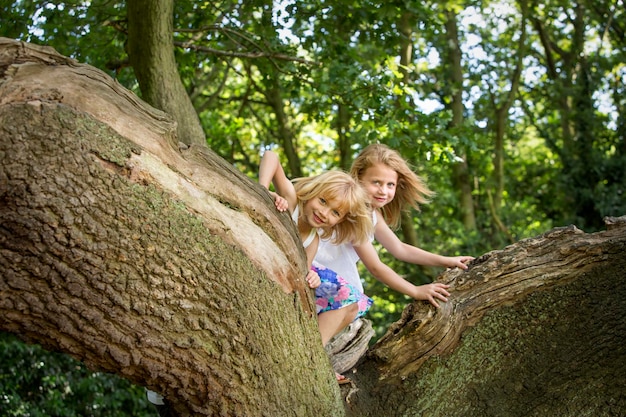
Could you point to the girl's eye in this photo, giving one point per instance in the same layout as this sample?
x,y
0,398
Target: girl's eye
x,y
322,201
336,213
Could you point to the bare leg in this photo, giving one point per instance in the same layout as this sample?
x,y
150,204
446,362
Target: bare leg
x,y
333,321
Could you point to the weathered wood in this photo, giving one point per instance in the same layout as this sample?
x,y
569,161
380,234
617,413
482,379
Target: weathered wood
x,y
537,328
349,346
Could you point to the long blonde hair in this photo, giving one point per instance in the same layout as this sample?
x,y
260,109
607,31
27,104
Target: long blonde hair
x,y
411,190
356,226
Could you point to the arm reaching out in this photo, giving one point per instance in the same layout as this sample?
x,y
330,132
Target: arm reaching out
x,y
428,292
270,171
285,198
411,254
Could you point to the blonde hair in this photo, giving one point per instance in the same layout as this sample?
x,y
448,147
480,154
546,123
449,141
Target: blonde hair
x,y
356,225
411,190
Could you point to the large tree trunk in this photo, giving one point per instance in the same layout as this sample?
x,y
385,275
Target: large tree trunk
x,y
460,170
174,271
151,53
170,269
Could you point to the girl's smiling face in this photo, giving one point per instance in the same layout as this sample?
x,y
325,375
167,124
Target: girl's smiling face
x,y
320,212
380,182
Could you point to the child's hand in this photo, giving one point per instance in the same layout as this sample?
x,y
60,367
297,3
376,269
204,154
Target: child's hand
x,y
458,261
280,203
433,292
313,279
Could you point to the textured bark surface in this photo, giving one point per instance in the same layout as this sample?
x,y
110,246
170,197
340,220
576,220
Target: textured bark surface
x,y
348,347
168,268
535,329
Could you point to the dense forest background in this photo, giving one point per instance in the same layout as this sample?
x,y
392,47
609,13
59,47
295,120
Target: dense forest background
x,y
513,111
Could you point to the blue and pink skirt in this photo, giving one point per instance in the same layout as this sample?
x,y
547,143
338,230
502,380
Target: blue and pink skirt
x,y
335,293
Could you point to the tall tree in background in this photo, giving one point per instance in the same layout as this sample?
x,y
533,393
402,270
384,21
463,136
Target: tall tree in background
x,y
452,58
405,32
327,30
268,79
499,74
567,117
151,53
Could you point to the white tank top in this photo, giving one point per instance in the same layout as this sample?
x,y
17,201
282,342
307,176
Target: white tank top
x,y
341,258
309,239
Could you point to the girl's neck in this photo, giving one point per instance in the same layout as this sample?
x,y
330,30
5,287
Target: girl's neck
x,y
303,226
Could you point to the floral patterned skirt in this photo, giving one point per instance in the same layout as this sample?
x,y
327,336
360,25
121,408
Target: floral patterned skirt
x,y
335,293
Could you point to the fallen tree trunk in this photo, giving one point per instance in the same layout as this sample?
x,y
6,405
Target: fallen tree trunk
x,y
171,269
535,329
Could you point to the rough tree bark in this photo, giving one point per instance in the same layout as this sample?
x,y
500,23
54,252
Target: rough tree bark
x,y
168,268
172,270
535,329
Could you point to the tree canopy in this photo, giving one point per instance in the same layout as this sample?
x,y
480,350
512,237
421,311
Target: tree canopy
x,y
527,97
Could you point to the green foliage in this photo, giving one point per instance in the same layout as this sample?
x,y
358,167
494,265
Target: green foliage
x,y
38,383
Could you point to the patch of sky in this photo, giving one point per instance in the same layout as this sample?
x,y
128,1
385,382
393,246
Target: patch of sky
x,y
38,19
426,104
284,21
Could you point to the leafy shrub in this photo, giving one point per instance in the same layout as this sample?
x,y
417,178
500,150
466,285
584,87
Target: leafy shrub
x,y
38,383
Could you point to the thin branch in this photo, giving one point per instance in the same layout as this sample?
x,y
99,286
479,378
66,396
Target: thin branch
x,y
249,55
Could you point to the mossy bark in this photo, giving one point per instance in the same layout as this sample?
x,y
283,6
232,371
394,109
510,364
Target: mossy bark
x,y
535,329
166,267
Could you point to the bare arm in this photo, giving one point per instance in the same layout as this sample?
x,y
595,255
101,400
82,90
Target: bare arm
x,y
412,254
312,278
429,292
270,171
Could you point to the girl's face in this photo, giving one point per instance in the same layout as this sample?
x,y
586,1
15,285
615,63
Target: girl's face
x,y
319,212
380,182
